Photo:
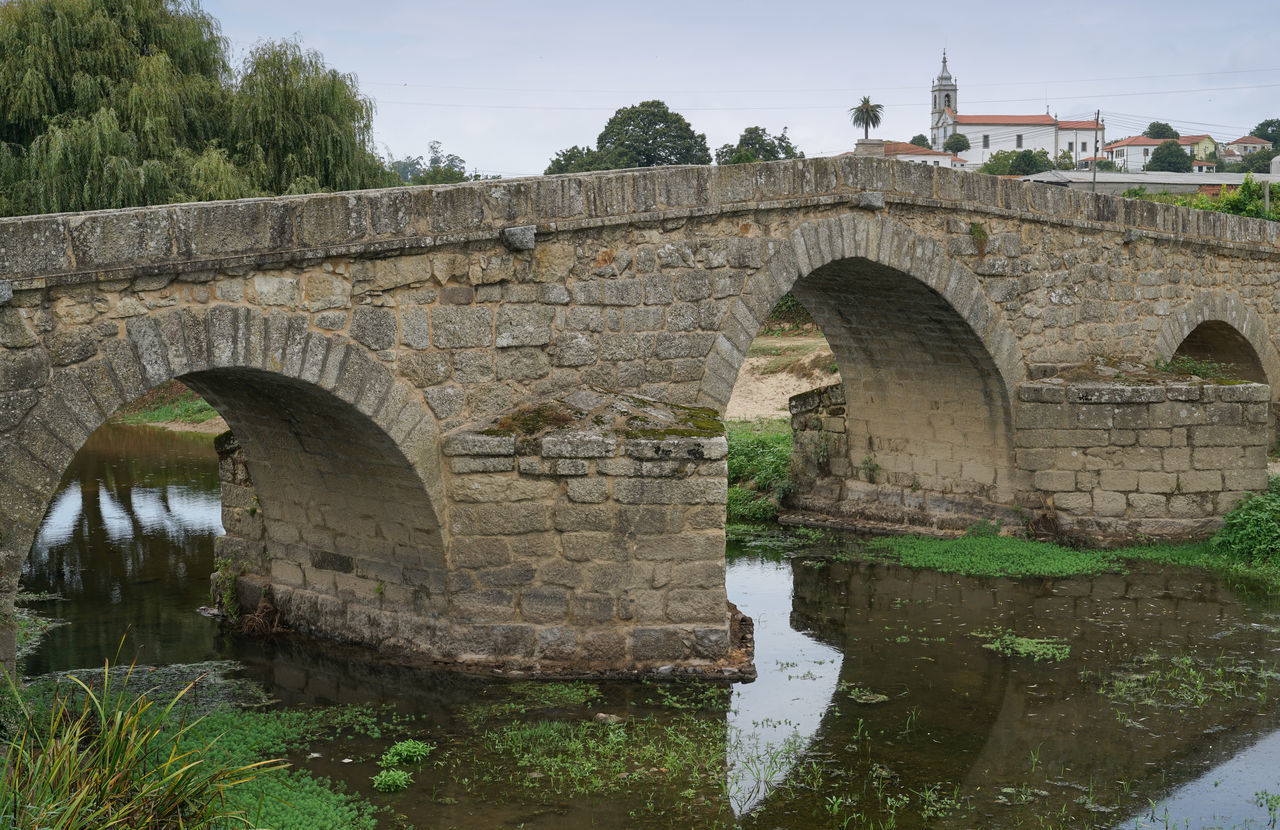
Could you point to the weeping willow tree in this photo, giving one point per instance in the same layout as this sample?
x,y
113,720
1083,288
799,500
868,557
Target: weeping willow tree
x,y
118,103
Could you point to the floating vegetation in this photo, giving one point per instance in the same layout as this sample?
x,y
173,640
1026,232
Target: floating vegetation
x,y
1005,642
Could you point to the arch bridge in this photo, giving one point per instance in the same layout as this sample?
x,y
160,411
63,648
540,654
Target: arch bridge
x,y
478,422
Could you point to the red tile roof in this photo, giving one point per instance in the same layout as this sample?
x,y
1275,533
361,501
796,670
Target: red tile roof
x,y
1079,125
1250,139
1143,141
1046,120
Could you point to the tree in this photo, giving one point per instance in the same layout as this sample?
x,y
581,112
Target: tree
x,y
866,115
119,103
956,143
439,168
1269,129
1159,129
1017,163
920,140
755,144
1259,162
646,135
1065,161
1169,157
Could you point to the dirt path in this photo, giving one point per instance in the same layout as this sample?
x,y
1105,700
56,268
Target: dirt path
x,y
777,368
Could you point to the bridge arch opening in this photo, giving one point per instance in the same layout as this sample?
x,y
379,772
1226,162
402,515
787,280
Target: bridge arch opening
x,y
1214,341
332,506
921,432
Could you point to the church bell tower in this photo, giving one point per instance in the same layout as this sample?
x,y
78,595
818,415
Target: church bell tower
x,y
944,98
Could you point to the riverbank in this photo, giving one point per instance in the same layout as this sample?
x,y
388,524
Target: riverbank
x,y
172,406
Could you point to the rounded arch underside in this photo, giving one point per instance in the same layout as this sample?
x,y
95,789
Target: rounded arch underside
x,y
928,364
1221,324
343,455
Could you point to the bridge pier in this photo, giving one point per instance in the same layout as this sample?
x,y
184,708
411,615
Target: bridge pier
x,y
1106,463
585,534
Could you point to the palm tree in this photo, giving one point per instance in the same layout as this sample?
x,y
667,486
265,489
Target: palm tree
x,y
866,115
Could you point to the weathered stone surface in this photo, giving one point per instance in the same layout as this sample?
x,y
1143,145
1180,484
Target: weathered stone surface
x,y
361,341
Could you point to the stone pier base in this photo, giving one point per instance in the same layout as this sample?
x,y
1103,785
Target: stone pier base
x,y
585,534
1099,462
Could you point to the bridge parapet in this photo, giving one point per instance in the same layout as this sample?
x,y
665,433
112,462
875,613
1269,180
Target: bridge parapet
x,y
64,249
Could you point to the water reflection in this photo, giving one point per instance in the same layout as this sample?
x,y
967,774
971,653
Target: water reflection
x,y
128,545
1170,681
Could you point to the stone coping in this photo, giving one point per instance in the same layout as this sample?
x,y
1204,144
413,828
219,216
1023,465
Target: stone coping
x,y
71,248
1116,392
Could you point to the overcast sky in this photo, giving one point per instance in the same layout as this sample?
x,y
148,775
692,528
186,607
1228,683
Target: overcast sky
x,y
506,85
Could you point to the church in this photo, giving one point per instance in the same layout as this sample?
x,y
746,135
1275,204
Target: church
x,y
989,134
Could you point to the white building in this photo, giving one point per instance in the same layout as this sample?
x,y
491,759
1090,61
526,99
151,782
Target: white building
x,y
903,151
989,134
1249,144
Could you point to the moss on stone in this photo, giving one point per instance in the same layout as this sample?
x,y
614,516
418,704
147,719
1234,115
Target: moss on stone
x,y
529,420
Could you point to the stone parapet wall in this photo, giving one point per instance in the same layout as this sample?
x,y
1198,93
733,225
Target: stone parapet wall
x,y
1119,462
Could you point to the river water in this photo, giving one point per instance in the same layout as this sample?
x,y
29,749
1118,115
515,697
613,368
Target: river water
x,y
880,702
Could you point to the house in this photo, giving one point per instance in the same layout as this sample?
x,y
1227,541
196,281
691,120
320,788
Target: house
x,y
990,134
1134,152
1248,144
1203,166
903,151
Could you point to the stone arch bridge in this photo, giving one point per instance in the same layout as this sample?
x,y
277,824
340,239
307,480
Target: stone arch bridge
x,y
477,422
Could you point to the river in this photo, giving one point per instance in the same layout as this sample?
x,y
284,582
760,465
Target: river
x,y
886,697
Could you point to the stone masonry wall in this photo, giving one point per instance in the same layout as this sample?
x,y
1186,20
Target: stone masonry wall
x,y
836,476
1121,461
574,545
1107,462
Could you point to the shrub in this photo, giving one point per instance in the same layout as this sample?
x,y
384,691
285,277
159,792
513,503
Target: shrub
x,y
405,752
1251,532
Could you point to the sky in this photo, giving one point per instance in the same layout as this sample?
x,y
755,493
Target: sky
x,y
507,85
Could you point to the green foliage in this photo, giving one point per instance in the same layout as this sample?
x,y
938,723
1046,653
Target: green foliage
x,y
592,758
1065,161
866,115
1159,129
438,168
1181,364
1005,642
1268,129
119,103
956,143
166,403
392,780
1017,163
1105,166
645,135
224,580
1251,532
788,314
759,469
99,756
1245,200
409,751
521,698
755,144
922,140
1169,157
1259,162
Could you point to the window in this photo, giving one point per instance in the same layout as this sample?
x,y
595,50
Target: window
x,y
1070,148
935,164
1146,151
947,99
1019,141
986,142
1084,146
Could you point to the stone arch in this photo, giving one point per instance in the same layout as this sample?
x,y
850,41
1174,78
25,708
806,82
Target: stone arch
x,y
1226,324
928,365
344,456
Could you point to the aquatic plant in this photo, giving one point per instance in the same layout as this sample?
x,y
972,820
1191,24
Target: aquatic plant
x,y
392,780
1005,642
405,752
98,756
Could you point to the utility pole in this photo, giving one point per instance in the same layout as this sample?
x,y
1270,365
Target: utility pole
x,y
1096,149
